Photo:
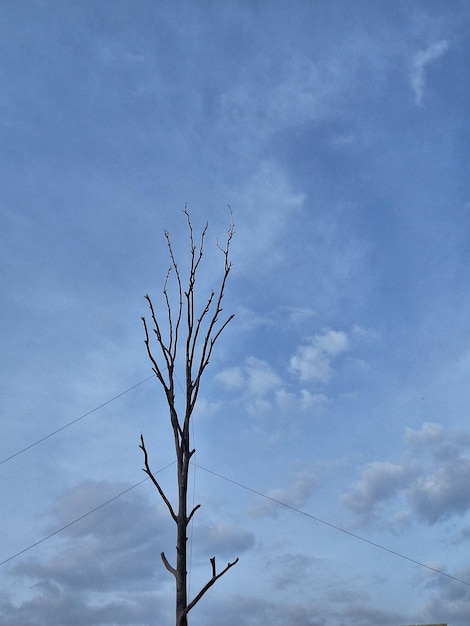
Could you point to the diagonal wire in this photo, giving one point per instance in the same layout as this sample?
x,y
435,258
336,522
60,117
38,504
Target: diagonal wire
x,y
262,495
97,508
338,528
77,419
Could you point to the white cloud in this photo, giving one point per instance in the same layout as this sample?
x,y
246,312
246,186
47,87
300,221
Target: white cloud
x,y
301,485
223,539
283,317
421,60
298,314
261,378
256,378
299,489
264,391
379,482
248,319
204,407
431,483
442,493
310,400
313,361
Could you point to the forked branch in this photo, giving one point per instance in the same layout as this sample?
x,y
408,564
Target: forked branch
x,y
209,584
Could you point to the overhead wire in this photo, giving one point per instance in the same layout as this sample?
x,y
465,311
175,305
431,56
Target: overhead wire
x,y
262,495
78,519
234,482
74,421
335,527
75,521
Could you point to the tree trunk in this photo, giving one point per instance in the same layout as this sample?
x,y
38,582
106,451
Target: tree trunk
x,y
181,537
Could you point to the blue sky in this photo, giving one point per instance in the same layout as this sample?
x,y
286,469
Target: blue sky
x,y
338,132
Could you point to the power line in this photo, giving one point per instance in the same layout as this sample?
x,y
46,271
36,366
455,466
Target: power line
x,y
97,508
59,530
77,419
234,482
338,528
262,495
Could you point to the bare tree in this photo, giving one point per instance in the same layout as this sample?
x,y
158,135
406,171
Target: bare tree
x,y
192,335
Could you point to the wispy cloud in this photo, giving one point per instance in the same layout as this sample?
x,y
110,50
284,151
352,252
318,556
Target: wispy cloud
x,y
421,61
269,203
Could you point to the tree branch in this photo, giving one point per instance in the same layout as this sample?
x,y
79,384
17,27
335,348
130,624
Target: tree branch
x,y
209,584
157,331
198,506
149,473
180,300
167,565
155,367
210,338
